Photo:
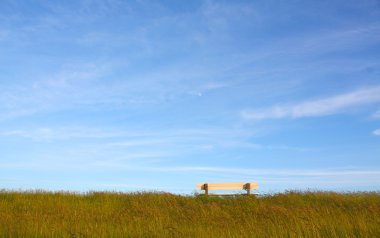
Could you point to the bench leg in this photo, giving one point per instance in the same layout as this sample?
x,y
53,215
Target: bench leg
x,y
248,188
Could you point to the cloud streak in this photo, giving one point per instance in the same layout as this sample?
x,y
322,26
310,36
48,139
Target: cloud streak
x,y
297,178
260,172
376,132
376,115
320,107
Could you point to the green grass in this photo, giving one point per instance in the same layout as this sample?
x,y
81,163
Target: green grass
x,y
98,214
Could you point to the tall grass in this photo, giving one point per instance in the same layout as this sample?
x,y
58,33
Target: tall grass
x,y
101,214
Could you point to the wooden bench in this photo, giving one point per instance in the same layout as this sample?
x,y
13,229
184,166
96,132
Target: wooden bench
x,y
227,186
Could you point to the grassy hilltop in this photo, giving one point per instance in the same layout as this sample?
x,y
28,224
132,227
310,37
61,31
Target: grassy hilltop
x,y
98,214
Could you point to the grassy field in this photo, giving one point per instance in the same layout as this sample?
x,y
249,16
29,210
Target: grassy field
x,y
97,214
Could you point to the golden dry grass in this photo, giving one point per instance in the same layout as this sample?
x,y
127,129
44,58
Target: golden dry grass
x,y
104,214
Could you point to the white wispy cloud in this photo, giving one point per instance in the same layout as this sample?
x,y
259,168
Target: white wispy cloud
x,y
263,172
135,143
3,34
376,132
257,146
208,87
219,16
320,107
286,178
376,115
181,140
116,162
359,35
38,134
71,86
68,133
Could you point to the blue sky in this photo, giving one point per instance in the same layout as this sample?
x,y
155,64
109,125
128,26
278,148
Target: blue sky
x,y
161,95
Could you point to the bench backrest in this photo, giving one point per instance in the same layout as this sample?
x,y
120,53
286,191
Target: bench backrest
x,y
226,186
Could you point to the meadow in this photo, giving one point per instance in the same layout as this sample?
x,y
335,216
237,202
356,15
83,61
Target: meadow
x,y
157,214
